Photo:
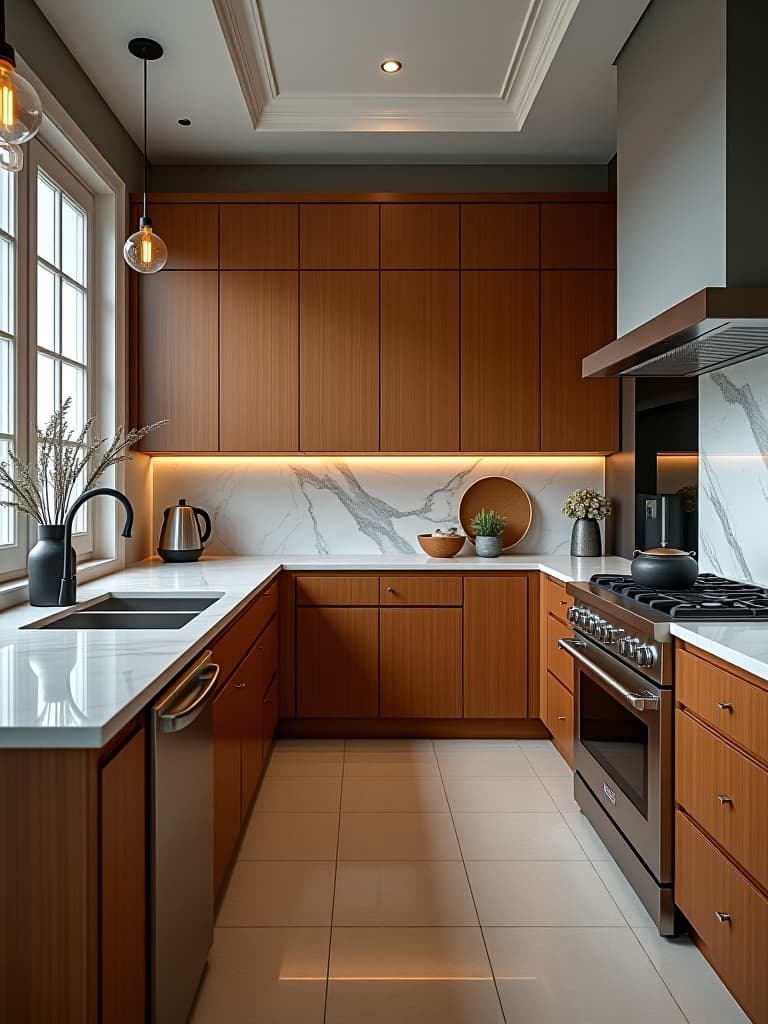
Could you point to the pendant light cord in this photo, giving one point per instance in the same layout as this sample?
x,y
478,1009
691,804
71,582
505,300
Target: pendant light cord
x,y
146,174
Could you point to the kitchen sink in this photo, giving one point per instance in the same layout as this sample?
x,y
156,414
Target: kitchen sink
x,y
134,610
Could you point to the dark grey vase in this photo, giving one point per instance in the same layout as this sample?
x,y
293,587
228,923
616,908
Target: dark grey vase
x,y
586,541
45,566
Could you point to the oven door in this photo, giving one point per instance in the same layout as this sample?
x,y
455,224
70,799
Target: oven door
x,y
623,750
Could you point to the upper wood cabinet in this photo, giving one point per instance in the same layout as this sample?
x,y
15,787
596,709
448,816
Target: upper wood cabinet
x,y
339,236
339,361
499,360
419,236
178,359
500,236
259,360
421,662
578,236
191,232
419,360
496,647
578,315
259,236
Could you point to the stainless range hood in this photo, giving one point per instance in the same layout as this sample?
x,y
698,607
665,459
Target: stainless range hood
x,y
713,328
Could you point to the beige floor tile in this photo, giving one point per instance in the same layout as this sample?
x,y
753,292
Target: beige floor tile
x,y
479,746
260,975
589,840
305,765
385,893
547,762
410,976
290,836
561,791
541,893
579,975
497,794
484,763
299,794
388,746
325,747
382,766
624,895
517,835
278,893
397,836
393,794
701,995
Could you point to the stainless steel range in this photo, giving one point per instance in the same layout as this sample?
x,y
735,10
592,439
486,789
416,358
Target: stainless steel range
x,y
624,679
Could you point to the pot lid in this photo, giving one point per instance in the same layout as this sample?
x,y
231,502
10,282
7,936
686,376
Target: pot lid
x,y
664,551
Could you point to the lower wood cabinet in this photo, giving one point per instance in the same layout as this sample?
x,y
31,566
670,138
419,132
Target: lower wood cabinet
x,y
496,647
337,662
421,671
227,710
559,716
556,684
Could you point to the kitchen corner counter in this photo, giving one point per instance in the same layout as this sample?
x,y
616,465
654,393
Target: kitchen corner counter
x,y
741,644
79,688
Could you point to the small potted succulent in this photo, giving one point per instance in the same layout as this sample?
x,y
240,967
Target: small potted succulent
x,y
587,507
488,526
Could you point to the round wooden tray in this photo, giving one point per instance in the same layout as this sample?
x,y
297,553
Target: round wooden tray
x,y
504,496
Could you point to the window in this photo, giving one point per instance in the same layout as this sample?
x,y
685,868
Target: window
x,y
11,529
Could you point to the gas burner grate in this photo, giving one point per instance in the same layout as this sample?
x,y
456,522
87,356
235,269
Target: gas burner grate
x,y
711,597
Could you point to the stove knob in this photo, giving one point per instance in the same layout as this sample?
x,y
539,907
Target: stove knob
x,y
603,631
614,635
594,624
628,645
645,655
574,614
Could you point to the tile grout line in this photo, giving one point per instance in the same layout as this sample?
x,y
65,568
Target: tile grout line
x,y
335,876
471,891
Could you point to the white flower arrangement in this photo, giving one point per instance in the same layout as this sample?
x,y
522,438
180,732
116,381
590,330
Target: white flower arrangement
x,y
585,503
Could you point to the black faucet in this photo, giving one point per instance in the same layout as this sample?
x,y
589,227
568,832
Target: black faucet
x,y
68,591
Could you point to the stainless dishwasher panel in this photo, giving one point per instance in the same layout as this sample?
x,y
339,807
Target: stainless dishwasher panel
x,y
181,841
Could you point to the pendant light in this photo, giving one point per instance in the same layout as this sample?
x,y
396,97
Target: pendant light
x,y
21,112
145,251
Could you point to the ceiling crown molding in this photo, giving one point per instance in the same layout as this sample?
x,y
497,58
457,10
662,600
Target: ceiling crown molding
x,y
242,25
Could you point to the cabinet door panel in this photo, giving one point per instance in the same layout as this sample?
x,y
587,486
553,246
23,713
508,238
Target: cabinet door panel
x,y
419,360
250,674
576,236
337,662
179,359
495,648
421,663
190,231
259,236
339,361
270,715
339,236
499,360
227,712
419,236
578,315
259,360
559,717
500,236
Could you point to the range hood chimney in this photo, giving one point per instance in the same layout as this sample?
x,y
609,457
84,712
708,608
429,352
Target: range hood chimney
x,y
713,328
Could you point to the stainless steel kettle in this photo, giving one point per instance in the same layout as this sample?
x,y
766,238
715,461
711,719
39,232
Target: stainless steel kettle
x,y
181,539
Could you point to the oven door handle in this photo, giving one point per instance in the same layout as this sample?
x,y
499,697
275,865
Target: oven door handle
x,y
640,702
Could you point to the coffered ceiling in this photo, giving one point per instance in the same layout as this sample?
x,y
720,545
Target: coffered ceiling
x,y
300,80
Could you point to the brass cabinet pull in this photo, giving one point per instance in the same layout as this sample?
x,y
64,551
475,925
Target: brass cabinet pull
x,y
390,590
561,718
722,917
563,602
724,705
724,799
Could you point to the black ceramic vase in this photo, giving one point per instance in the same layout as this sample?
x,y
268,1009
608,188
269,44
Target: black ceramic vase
x,y
45,566
586,541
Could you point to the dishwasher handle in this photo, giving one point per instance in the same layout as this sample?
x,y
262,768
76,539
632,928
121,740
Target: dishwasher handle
x,y
187,699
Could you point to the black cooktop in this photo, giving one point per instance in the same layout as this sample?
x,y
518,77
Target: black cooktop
x,y
711,597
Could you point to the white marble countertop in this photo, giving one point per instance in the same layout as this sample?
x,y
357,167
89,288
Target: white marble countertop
x,y
743,644
67,688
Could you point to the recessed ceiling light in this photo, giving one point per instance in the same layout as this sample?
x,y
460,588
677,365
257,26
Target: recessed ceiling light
x,y
391,67
185,122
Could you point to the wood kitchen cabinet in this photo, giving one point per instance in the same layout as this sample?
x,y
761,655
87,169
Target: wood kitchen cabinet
x,y
578,236
189,230
499,360
578,315
337,662
227,719
500,236
419,360
421,672
339,236
259,236
259,360
178,360
419,236
496,647
339,361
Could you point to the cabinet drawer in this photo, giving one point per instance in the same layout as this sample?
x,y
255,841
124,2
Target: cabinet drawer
x,y
337,590
708,885
259,613
733,706
557,602
227,651
725,792
270,713
560,717
429,591
559,663
267,646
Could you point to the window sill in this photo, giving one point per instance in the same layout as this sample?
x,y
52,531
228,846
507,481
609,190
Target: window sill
x,y
14,592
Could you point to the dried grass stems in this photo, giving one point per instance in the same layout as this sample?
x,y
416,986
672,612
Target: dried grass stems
x,y
45,489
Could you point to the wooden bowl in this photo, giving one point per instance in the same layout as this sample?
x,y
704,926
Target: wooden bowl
x,y
441,547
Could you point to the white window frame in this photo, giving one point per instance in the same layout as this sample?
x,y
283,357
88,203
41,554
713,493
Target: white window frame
x,y
63,137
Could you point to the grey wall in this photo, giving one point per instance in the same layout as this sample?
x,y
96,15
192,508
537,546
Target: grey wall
x,y
35,40
671,157
395,178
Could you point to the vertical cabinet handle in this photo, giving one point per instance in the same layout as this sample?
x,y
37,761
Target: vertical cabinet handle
x,y
722,917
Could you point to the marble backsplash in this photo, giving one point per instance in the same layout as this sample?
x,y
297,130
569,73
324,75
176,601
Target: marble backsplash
x,y
733,471
358,505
